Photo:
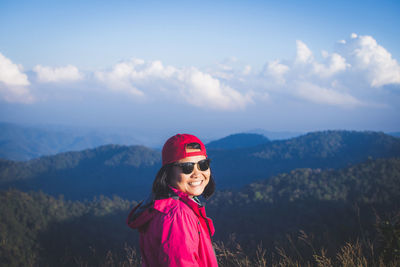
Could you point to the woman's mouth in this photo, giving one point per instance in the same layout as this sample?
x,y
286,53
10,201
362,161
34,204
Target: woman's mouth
x,y
196,183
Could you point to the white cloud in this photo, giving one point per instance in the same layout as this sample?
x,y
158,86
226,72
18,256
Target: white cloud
x,y
122,76
202,90
304,54
336,64
13,82
368,57
68,73
276,70
190,85
308,79
229,69
247,70
345,77
322,95
358,64
11,74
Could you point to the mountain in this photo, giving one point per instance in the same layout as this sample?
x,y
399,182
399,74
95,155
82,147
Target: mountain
x,y
240,140
276,135
327,149
331,206
27,142
304,213
39,230
395,134
108,170
128,171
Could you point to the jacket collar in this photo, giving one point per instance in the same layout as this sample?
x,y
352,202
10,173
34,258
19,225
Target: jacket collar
x,y
196,205
186,197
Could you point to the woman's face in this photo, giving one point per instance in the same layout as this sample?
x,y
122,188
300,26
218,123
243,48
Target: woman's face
x,y
194,183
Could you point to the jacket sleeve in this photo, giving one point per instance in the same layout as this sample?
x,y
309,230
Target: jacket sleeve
x,y
179,240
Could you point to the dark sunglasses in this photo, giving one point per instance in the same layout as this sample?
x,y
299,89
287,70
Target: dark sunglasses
x,y
188,167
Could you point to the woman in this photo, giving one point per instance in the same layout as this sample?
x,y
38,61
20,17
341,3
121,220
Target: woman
x,y
174,229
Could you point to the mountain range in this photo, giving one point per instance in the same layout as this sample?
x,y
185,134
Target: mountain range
x,y
301,212
301,200
128,171
25,142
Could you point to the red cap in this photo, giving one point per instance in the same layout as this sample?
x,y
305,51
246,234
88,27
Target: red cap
x,y
175,148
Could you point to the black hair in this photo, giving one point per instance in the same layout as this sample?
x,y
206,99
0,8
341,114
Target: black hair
x,y
162,181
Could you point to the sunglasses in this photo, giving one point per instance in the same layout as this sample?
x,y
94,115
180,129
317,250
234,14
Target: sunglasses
x,y
188,167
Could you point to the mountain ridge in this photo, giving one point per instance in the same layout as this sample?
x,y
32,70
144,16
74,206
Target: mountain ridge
x,y
129,170
239,140
324,149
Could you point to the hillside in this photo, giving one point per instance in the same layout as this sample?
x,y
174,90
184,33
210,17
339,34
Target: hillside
x,y
128,171
112,169
327,149
276,135
395,134
235,141
335,205
328,209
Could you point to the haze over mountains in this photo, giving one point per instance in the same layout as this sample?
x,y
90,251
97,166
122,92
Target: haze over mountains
x,y
24,142
19,142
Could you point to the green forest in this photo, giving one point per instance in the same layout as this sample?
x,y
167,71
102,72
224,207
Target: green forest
x,y
305,217
128,171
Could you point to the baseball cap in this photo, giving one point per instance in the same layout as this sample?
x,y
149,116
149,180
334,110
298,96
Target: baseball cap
x,y
174,148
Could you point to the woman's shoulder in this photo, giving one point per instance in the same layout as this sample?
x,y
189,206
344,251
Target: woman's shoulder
x,y
166,205
172,206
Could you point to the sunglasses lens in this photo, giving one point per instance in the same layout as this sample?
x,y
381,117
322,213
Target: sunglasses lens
x,y
204,164
187,168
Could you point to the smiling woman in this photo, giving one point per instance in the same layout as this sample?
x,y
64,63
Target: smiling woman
x,y
174,229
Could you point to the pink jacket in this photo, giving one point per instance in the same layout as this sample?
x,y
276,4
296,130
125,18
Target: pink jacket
x,y
174,232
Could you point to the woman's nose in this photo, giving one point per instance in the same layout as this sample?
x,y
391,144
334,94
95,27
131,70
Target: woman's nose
x,y
196,172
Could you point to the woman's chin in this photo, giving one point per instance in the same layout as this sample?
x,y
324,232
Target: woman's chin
x,y
194,192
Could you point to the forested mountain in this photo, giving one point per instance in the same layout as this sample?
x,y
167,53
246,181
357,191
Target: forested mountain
x,y
276,135
314,197
112,169
39,230
396,134
304,213
327,149
308,209
128,171
235,141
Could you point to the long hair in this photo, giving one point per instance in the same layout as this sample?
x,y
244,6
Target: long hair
x,y
163,180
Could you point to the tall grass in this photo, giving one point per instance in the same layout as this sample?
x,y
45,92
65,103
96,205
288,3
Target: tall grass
x,y
384,251
349,255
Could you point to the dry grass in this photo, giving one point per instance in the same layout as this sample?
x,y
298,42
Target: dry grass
x,y
353,254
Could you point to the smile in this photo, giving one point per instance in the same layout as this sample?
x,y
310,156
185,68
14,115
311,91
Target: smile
x,y
196,183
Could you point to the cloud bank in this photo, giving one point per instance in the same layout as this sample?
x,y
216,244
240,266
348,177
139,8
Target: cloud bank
x,y
342,78
373,60
68,73
13,82
187,85
346,78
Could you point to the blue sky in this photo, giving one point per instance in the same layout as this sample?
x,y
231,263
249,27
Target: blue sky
x,y
208,67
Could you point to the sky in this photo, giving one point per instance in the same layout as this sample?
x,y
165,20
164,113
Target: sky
x,y
210,68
